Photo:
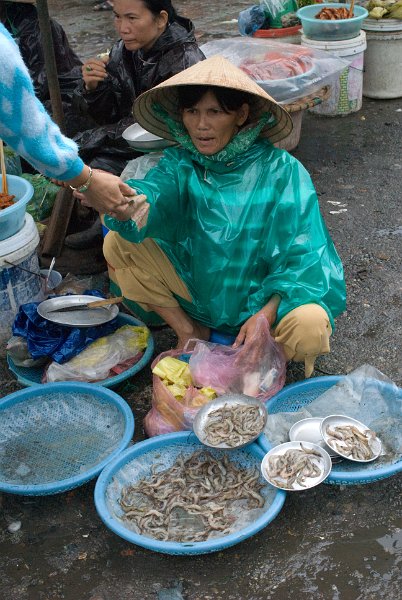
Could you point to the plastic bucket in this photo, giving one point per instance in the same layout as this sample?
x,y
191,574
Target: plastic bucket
x,y
12,218
347,89
17,286
288,35
383,62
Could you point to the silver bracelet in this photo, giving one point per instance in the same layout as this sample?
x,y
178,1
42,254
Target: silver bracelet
x,y
83,188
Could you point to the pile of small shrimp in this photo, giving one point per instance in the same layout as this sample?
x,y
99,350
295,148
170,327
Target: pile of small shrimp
x,y
233,425
293,466
192,499
349,441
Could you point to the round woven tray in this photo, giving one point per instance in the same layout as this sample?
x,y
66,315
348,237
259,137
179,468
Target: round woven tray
x,y
309,101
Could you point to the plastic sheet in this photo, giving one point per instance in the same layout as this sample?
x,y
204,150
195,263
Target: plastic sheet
x,y
256,368
96,362
285,71
360,395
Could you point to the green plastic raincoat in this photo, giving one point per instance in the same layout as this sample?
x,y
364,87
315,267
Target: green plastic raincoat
x,y
239,231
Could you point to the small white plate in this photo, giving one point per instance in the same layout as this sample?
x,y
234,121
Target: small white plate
x,y
323,462
340,420
309,430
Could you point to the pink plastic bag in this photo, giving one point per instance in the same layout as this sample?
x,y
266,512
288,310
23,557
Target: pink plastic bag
x,y
257,368
168,414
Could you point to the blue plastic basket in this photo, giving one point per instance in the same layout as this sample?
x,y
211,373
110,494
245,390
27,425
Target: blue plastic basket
x,y
148,453
58,436
28,376
296,396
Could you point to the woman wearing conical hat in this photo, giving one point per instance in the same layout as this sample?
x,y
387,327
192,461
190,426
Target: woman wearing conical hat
x,y
226,227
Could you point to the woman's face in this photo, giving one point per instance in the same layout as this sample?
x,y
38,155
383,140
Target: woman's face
x,y
209,126
137,26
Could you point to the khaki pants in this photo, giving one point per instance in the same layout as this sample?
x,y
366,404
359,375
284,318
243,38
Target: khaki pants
x,y
145,275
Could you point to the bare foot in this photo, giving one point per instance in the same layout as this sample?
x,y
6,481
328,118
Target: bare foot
x,y
200,332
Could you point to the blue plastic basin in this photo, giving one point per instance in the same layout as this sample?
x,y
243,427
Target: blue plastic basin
x,y
12,218
141,458
328,30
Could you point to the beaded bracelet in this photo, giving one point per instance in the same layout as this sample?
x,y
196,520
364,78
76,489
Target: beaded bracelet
x,y
83,188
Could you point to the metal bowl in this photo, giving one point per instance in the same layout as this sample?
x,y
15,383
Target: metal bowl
x,y
335,420
144,141
309,430
324,463
230,400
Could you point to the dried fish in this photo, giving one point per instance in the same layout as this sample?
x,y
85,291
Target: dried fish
x,y
350,442
191,500
294,466
233,425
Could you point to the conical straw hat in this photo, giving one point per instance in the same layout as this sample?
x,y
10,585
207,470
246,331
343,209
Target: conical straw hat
x,y
214,71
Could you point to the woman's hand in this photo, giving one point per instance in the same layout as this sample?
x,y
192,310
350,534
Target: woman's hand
x,y
248,328
94,71
108,194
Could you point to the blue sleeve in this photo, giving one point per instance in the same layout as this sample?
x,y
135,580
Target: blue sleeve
x,y
24,122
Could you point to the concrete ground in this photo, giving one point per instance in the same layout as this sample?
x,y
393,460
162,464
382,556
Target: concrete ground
x,y
329,543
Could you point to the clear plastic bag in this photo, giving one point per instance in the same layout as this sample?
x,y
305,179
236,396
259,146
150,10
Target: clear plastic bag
x,y
138,167
98,359
285,71
17,349
276,9
256,368
250,20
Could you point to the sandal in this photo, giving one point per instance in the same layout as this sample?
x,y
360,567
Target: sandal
x,y
107,5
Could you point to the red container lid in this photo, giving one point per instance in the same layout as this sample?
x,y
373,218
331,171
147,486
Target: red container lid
x,y
277,33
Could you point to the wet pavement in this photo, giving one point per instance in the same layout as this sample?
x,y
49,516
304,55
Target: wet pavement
x,y
329,543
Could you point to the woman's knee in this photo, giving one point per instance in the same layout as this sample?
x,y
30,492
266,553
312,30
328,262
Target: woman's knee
x,y
110,247
304,331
